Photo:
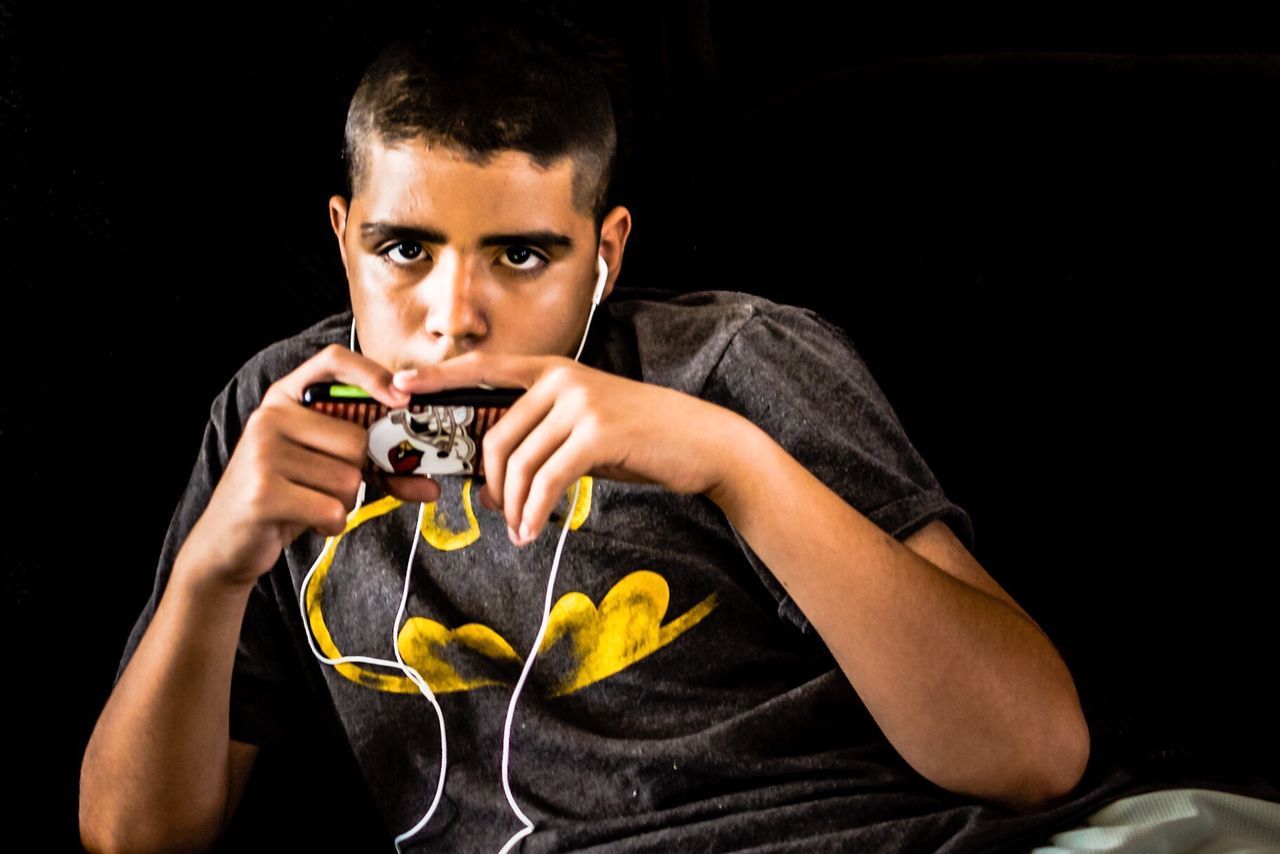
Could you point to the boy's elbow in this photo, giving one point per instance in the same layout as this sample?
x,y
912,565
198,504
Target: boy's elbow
x,y
102,834
98,841
1059,771
116,813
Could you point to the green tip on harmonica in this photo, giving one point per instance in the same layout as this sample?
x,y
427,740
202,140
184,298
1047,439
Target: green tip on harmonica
x,y
338,390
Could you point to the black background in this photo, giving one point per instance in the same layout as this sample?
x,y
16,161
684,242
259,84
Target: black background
x,y
1052,241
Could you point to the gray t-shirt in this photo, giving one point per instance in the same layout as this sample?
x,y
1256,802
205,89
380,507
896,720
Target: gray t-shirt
x,y
680,700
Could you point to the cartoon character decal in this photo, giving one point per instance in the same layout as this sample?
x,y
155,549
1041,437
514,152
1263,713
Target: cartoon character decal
x,y
437,441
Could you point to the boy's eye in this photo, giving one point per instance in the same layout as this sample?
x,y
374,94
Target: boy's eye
x,y
414,250
524,260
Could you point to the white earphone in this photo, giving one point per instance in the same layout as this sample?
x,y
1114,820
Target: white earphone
x,y
601,277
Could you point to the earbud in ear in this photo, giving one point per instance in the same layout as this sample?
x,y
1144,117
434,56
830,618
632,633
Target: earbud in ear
x,y
602,275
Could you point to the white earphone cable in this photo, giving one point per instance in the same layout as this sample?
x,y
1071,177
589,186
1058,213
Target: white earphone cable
x,y
364,659
602,271
528,665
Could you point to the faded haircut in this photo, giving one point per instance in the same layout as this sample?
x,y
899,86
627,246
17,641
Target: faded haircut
x,y
480,79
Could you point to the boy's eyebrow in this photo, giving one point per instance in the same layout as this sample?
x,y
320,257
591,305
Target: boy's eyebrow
x,y
544,238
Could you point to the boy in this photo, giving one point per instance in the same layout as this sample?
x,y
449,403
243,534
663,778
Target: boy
x,y
765,618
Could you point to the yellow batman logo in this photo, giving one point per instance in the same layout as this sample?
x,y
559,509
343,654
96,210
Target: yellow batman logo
x,y
598,641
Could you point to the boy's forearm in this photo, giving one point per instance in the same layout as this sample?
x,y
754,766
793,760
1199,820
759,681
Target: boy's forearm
x,y
155,771
970,692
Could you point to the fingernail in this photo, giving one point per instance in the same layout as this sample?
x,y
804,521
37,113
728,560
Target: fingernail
x,y
401,378
511,532
525,534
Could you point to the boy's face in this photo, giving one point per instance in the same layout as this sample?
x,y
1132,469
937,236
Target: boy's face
x,y
444,257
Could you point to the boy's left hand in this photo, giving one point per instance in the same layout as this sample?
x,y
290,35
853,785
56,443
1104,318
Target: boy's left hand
x,y
575,420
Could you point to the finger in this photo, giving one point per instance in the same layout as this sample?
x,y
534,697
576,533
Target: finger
x,y
526,461
292,504
556,475
499,370
318,472
500,440
337,363
413,487
303,427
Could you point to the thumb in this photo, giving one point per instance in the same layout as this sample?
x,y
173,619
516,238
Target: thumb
x,y
412,487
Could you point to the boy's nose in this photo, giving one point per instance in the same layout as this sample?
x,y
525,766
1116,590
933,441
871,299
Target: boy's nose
x,y
455,317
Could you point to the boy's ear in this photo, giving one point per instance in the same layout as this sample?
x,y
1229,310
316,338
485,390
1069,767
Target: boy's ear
x,y
338,210
613,243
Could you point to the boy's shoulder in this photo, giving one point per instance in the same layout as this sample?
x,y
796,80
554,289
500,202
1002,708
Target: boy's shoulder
x,y
681,336
282,356
634,301
702,313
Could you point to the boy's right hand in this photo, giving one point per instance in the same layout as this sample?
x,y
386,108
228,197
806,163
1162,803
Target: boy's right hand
x,y
292,469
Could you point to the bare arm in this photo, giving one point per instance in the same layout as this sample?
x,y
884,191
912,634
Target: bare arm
x,y
156,771
963,683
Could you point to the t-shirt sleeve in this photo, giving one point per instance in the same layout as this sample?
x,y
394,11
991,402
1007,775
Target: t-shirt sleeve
x,y
799,377
264,677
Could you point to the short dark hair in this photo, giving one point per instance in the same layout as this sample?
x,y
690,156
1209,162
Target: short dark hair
x,y
506,75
